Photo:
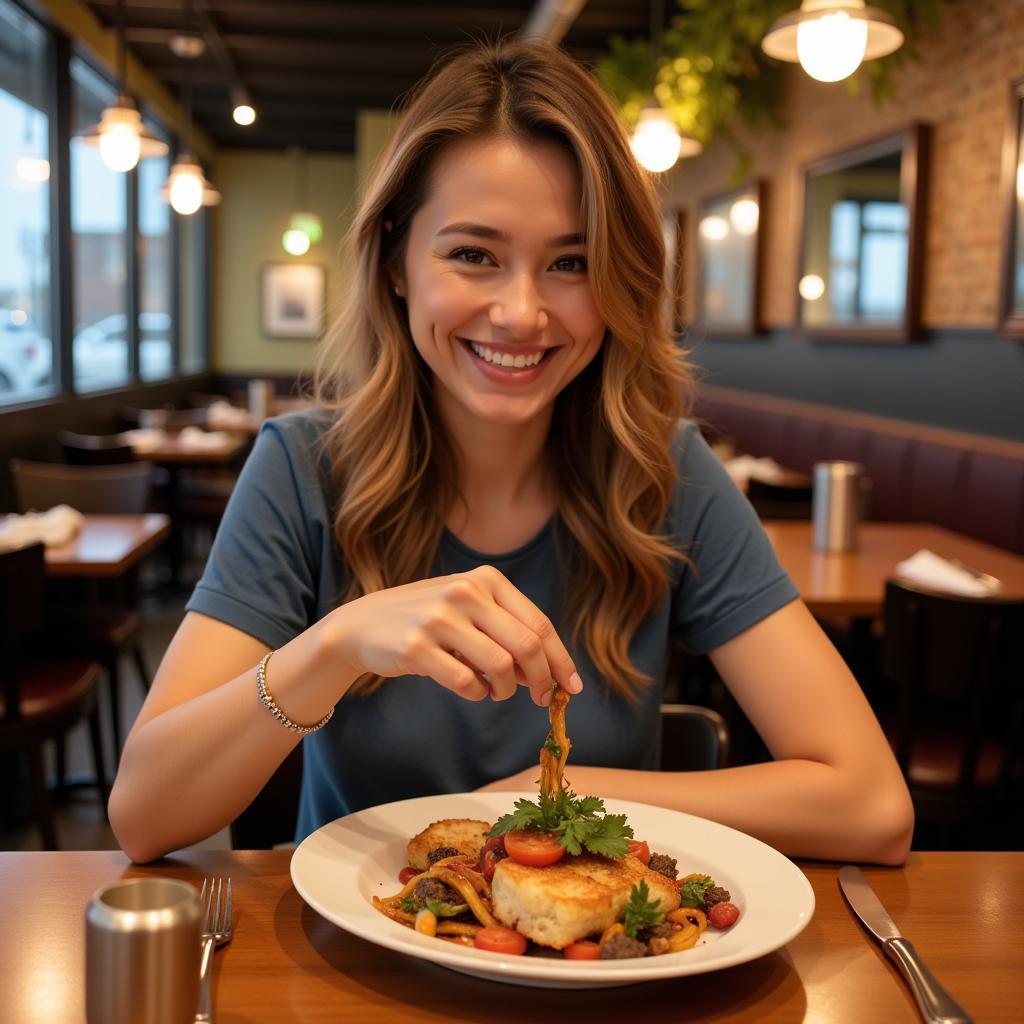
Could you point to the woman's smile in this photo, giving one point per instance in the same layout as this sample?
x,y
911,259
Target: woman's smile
x,y
509,364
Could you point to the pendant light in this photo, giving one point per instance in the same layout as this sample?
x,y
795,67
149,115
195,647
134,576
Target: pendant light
x,y
831,38
186,188
305,228
121,139
656,142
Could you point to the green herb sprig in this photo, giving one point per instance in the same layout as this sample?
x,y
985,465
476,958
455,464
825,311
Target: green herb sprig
x,y
578,822
641,911
694,890
438,908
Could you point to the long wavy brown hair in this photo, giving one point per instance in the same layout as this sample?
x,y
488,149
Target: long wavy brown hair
x,y
612,427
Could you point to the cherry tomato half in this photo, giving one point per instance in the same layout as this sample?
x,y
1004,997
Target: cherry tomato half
x,y
500,940
407,873
537,849
489,856
583,950
638,848
721,915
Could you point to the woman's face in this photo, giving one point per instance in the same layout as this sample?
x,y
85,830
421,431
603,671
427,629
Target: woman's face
x,y
495,279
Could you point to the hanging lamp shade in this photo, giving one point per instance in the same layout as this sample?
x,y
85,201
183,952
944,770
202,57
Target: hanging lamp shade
x,y
830,38
656,142
120,136
186,188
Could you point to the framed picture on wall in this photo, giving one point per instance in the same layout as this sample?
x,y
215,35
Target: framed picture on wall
x,y
292,299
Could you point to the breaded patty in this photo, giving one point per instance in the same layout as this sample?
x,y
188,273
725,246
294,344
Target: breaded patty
x,y
463,834
576,897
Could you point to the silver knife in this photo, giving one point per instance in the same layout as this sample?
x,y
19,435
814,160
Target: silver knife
x,y
937,1006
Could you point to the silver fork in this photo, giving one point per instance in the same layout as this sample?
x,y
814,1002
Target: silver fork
x,y
217,928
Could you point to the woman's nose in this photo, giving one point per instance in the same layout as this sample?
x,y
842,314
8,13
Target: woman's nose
x,y
519,307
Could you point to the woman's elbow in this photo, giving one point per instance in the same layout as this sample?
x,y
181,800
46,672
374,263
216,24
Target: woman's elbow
x,y
128,830
889,826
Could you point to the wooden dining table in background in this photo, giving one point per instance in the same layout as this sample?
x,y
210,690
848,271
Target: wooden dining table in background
x,y
853,583
963,911
108,545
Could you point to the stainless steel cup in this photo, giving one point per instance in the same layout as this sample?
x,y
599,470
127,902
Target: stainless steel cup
x,y
142,953
261,398
838,497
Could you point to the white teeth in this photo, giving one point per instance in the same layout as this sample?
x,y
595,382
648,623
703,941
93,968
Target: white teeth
x,y
506,359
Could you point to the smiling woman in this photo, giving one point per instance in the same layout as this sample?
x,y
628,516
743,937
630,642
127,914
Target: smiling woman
x,y
498,499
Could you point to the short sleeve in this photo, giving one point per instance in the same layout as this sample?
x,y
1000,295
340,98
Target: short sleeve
x,y
261,576
734,579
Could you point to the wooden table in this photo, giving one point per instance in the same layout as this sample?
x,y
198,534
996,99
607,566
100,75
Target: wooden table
x,y
854,583
108,545
963,911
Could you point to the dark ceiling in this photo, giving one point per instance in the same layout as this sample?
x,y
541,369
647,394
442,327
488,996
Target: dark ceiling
x,y
309,65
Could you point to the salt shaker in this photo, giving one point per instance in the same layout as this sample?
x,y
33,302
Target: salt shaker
x,y
838,495
261,398
142,953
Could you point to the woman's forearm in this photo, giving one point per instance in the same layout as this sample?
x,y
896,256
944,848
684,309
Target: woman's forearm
x,y
802,808
192,768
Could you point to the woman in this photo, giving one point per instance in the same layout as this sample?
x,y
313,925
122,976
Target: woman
x,y
498,493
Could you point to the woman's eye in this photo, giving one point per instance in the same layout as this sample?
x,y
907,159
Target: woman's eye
x,y
475,256
571,264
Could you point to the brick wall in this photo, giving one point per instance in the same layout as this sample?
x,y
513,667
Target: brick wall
x,y
961,87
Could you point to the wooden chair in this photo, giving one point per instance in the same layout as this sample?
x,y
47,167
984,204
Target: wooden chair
x,y
692,738
40,698
94,449
956,666
104,630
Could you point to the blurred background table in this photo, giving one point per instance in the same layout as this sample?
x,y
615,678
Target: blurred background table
x,y
963,911
854,583
108,545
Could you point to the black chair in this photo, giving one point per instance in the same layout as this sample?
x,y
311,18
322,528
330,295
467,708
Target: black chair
x,y
780,501
41,697
106,630
956,666
692,738
94,449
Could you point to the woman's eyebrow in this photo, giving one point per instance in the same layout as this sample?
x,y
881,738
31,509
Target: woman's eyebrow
x,y
482,231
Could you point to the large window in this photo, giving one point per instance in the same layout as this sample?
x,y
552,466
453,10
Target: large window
x,y
155,251
26,357
98,251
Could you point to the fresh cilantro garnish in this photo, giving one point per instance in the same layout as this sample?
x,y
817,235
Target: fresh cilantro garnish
x,y
641,912
578,823
694,890
411,905
551,746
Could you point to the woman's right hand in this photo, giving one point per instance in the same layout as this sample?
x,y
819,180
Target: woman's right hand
x,y
473,632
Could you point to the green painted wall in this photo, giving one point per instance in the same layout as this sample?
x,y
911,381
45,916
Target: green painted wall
x,y
260,193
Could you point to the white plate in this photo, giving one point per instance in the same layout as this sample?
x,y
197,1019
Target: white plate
x,y
340,867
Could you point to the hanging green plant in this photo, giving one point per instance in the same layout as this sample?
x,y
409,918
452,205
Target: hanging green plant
x,y
710,73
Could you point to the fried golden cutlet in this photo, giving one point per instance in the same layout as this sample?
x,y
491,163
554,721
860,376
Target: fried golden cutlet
x,y
578,896
463,834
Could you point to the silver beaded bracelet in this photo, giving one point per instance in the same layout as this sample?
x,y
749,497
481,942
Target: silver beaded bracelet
x,y
268,702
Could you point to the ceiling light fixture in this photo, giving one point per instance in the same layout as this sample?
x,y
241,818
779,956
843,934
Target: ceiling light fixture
x,y
831,38
243,112
305,228
656,142
186,187
121,139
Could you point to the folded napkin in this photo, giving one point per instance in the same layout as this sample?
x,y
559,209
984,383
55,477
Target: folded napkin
x,y
744,467
936,573
199,440
59,525
145,439
224,414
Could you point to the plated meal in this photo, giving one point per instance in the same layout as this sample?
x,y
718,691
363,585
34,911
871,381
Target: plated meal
x,y
556,874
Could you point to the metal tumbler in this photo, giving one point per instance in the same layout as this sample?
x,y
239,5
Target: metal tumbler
x,y
838,495
142,953
261,398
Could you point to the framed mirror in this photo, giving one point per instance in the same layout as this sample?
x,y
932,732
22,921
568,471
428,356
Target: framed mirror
x,y
860,264
729,261
1011,305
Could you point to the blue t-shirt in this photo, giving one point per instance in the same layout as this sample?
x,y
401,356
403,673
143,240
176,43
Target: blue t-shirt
x,y
275,569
